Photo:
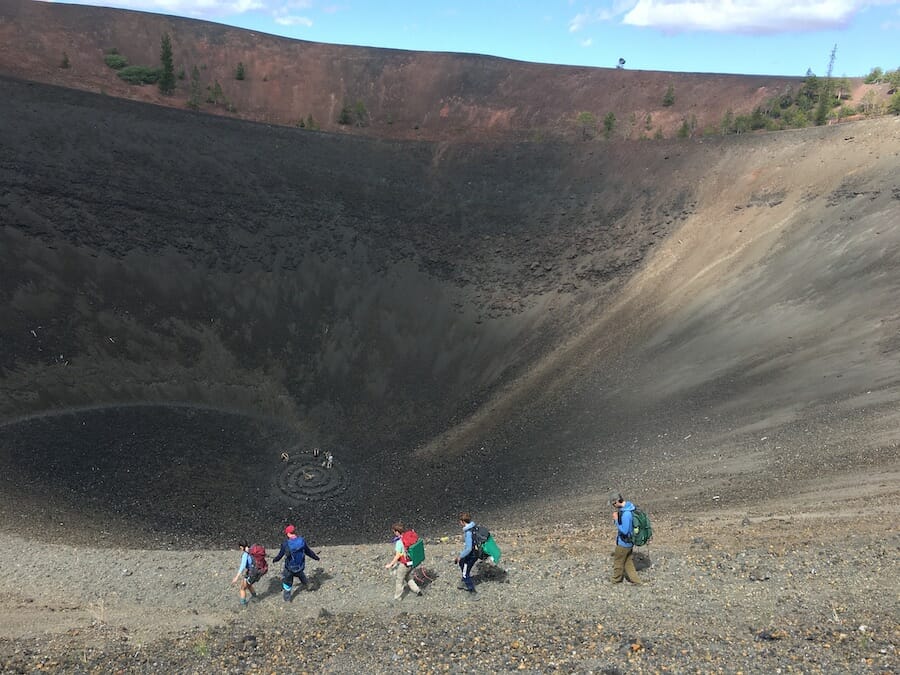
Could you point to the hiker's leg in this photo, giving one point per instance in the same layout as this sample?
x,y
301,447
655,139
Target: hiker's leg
x,y
466,565
399,580
244,587
302,577
410,581
619,563
287,583
630,572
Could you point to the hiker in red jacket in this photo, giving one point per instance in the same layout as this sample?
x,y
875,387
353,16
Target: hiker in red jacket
x,y
401,564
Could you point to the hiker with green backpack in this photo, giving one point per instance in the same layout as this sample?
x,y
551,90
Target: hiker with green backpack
x,y
478,544
406,543
627,536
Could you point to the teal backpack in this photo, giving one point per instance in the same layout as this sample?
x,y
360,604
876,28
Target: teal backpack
x,y
414,547
416,553
643,531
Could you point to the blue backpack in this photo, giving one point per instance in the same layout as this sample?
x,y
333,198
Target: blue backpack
x,y
296,554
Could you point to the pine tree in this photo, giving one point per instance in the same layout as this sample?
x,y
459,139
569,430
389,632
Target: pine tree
x,y
609,123
194,98
669,98
167,76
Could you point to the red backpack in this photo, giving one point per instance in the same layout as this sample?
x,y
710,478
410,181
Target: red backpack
x,y
258,563
409,538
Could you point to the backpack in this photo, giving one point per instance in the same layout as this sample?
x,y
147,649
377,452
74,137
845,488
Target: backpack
x,y
409,538
296,554
258,563
413,547
643,531
484,546
479,536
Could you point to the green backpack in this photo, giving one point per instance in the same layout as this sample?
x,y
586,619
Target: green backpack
x,y
643,531
414,547
416,553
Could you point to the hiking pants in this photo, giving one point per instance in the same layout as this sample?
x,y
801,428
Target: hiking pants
x,y
287,578
466,565
623,565
402,577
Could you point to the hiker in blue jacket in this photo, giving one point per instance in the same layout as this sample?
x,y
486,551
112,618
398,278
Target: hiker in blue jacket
x,y
243,572
294,550
469,555
623,557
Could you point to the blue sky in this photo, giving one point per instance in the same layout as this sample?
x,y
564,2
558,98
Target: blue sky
x,y
773,37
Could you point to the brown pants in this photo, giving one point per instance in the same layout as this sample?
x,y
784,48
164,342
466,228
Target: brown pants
x,y
623,565
403,577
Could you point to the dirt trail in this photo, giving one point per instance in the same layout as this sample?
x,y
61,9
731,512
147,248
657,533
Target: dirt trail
x,y
731,591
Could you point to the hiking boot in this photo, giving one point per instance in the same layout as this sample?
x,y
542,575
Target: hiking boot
x,y
286,595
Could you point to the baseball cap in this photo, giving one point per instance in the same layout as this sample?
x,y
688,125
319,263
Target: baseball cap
x,y
290,529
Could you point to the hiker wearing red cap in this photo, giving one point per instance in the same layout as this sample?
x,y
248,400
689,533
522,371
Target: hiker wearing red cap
x,y
294,550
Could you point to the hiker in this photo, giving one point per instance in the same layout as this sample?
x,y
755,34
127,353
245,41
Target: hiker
x,y
623,557
329,459
401,564
469,554
294,550
243,573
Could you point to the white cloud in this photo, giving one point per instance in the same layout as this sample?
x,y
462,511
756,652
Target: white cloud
x,y
728,16
294,21
587,43
746,16
615,8
285,14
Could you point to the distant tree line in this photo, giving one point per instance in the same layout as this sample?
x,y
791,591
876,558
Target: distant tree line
x,y
815,101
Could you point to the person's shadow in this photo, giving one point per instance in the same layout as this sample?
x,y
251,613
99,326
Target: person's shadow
x,y
274,586
423,576
641,561
489,572
314,579
317,578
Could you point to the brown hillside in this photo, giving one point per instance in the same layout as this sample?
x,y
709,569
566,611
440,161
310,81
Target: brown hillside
x,y
434,96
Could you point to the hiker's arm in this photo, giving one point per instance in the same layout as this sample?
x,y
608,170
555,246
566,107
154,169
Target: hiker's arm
x,y
625,524
280,553
243,566
467,548
310,552
394,561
